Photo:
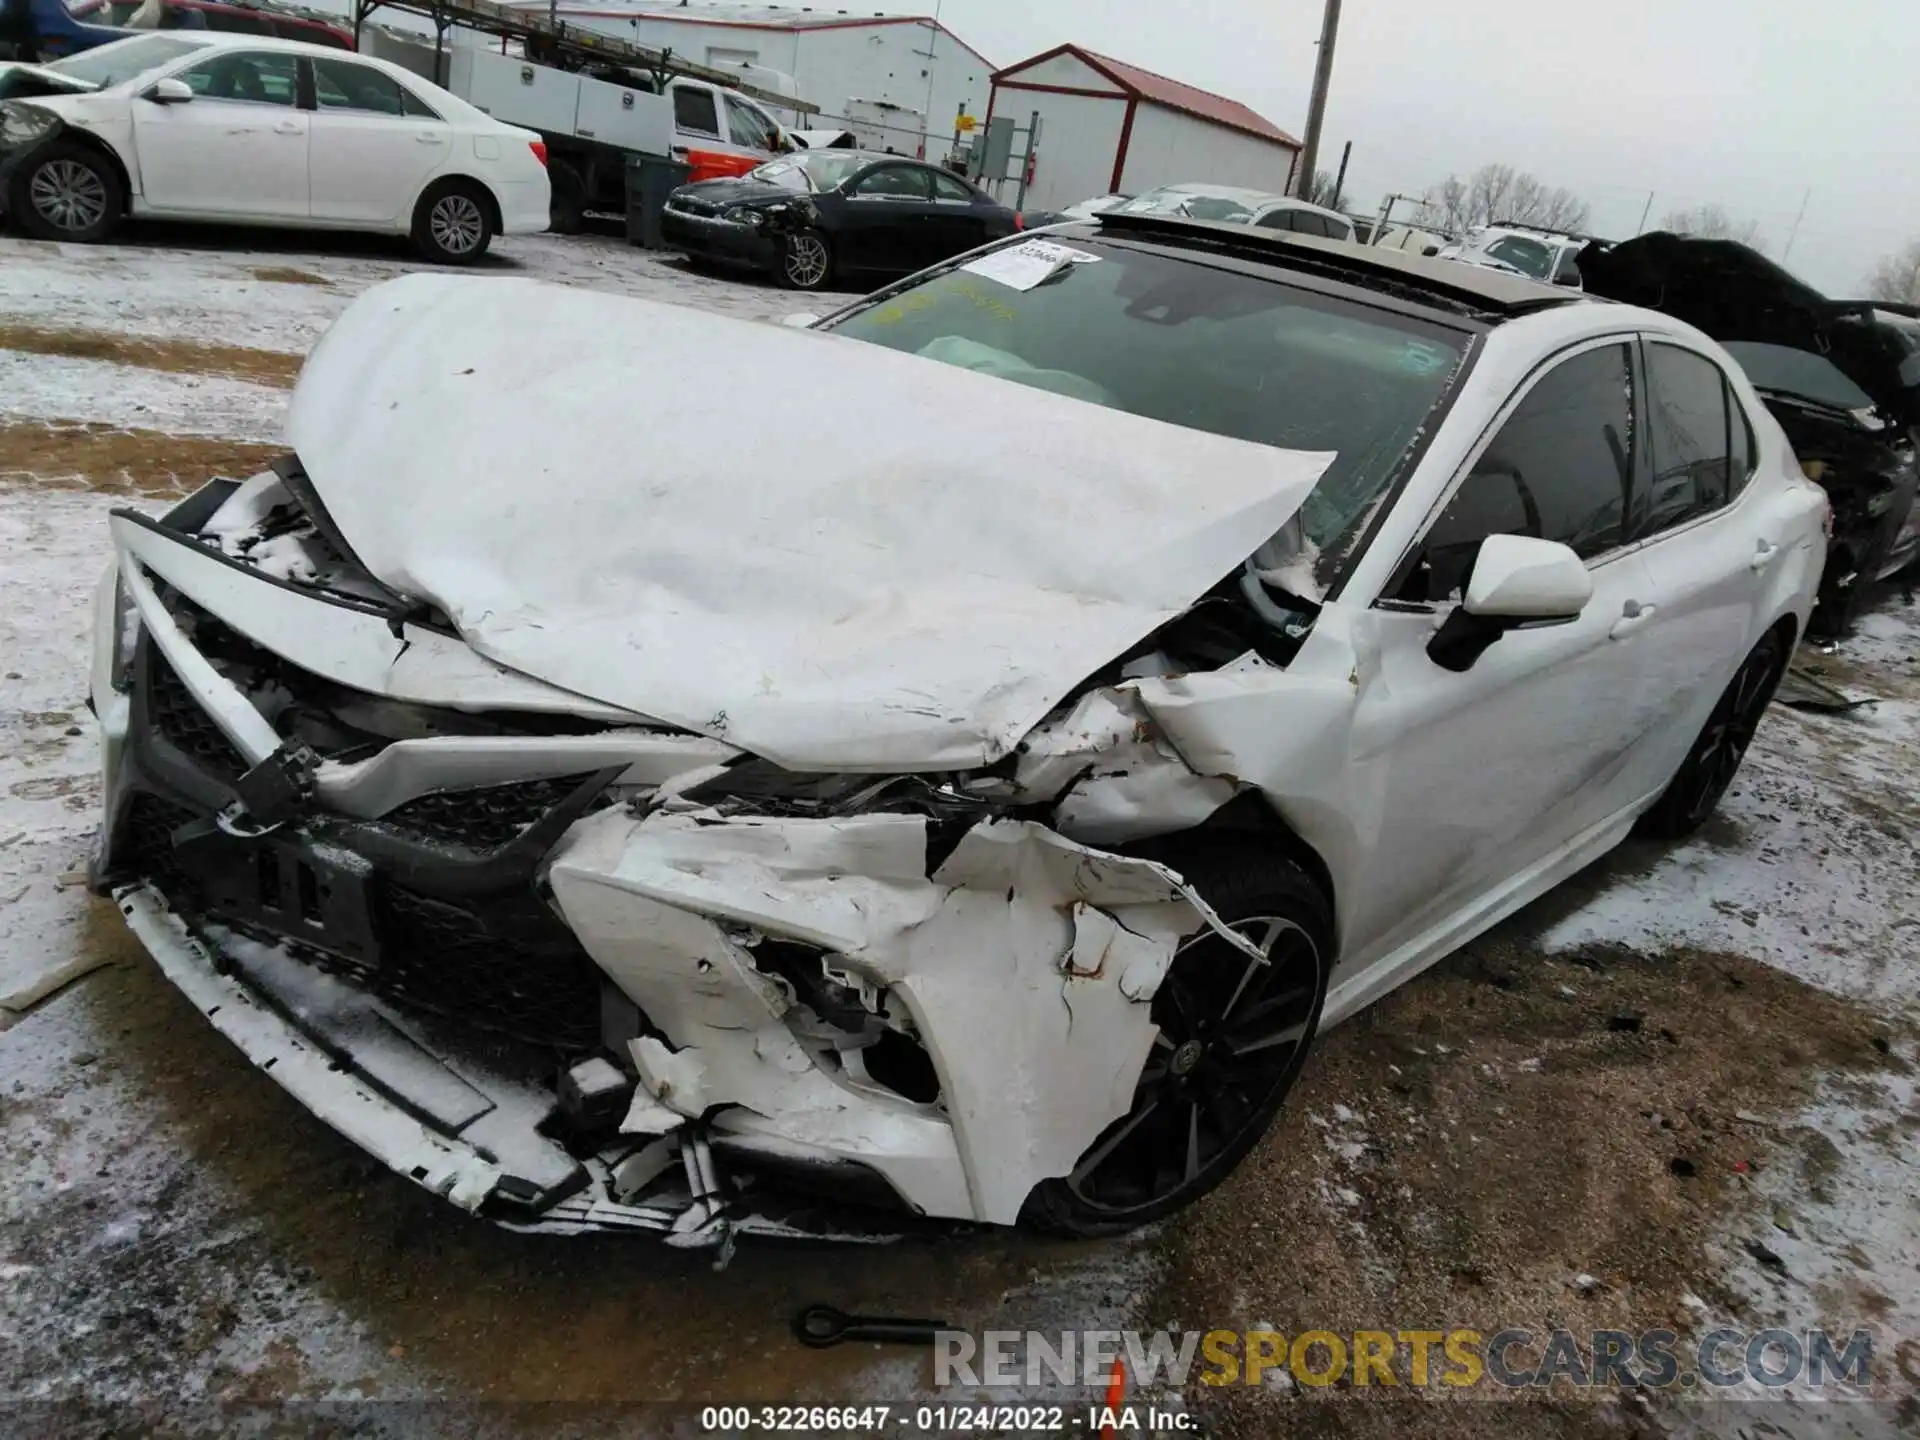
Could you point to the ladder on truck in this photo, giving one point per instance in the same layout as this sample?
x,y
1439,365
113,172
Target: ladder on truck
x,y
552,40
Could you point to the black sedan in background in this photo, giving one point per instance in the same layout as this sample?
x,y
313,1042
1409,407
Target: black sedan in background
x,y
822,215
1841,376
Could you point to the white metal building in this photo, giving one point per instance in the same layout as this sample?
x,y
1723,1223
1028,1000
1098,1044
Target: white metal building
x,y
1109,126
895,80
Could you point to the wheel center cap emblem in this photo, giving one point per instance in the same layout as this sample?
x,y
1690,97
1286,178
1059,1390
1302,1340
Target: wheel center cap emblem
x,y
1186,1057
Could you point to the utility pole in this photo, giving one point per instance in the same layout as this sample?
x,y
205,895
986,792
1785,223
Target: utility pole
x,y
1340,180
1317,105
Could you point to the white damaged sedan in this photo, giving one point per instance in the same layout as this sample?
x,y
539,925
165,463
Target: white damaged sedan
x,y
949,762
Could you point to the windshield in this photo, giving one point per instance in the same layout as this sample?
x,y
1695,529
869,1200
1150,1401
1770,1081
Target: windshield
x,y
816,170
1798,372
109,64
1529,257
1210,349
1194,205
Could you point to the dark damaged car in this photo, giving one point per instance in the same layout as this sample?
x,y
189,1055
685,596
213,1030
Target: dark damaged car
x,y
1202,631
1842,378
822,216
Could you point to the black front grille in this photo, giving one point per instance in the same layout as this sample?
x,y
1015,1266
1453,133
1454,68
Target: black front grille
x,y
149,829
482,819
501,962
507,965
178,716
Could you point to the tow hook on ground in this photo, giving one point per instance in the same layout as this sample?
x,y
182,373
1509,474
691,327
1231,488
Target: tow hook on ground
x,y
819,1326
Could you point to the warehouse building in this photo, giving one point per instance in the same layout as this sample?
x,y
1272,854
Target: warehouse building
x,y
1108,126
897,81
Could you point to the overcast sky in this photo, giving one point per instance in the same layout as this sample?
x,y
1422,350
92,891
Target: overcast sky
x,y
1741,102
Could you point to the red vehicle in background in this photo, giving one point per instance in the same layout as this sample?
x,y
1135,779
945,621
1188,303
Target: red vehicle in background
x,y
220,15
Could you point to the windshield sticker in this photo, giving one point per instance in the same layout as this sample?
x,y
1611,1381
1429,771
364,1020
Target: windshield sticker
x,y
1023,266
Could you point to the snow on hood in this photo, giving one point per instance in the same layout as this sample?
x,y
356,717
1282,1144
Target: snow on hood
x,y
823,551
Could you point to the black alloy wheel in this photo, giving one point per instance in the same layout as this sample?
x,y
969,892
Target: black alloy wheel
x,y
1707,772
1233,1035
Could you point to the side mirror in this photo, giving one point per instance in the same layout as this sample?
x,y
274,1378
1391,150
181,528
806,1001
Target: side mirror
x,y
801,320
169,92
1517,582
1570,279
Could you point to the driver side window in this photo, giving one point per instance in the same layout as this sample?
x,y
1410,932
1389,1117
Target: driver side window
x,y
894,182
265,78
1560,468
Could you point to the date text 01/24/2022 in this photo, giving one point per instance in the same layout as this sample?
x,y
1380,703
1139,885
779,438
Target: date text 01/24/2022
x,y
934,1419
919,1420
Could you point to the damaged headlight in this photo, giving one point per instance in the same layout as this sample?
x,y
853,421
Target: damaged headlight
x,y
741,215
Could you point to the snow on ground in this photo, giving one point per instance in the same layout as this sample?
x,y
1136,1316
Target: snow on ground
x,y
64,387
169,291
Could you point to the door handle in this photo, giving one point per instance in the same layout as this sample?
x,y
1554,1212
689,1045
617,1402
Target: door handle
x,y
1762,553
289,127
1632,616
441,140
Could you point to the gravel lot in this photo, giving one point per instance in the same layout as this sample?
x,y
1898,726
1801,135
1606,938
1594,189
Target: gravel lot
x,y
1678,1092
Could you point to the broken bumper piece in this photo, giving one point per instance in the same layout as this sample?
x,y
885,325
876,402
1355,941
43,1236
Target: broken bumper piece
x,y
451,1127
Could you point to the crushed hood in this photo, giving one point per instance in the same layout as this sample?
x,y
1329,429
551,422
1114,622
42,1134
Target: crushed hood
x,y
820,550
1732,292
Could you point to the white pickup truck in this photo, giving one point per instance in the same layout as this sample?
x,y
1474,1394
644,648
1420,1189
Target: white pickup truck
x,y
592,123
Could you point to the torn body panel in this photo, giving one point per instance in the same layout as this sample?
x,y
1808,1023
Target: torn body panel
x,y
1023,964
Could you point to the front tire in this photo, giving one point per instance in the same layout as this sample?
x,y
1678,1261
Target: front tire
x,y
806,260
1707,772
1233,1037
453,223
68,191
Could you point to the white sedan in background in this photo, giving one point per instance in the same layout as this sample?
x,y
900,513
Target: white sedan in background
x,y
255,130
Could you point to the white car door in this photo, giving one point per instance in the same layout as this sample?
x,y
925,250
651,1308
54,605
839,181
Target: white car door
x,y
375,143
1481,775
1714,561
239,147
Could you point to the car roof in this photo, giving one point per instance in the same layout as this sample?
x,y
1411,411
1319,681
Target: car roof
x,y
1291,202
234,40
1447,282
867,155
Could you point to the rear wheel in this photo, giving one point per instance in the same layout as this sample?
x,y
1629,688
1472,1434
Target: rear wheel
x,y
1233,1036
68,191
453,223
806,260
1710,766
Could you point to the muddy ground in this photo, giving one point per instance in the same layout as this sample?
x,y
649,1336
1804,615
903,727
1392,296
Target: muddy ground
x,y
1678,1092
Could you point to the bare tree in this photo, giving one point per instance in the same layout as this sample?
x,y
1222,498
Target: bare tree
x,y
1319,190
1711,222
1897,276
1501,195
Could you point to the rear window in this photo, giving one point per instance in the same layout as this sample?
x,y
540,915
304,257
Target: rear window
x,y
1529,257
1207,348
1798,372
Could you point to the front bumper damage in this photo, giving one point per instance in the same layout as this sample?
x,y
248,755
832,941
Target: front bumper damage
x,y
531,974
